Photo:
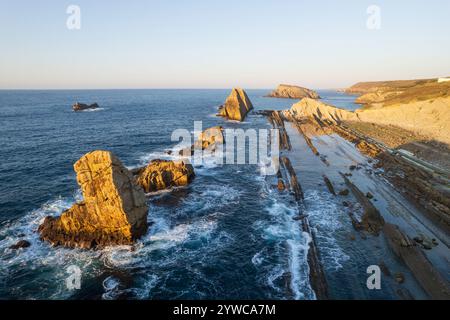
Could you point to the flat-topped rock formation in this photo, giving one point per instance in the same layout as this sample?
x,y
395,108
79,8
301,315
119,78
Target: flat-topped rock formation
x,y
81,106
164,174
113,210
372,86
236,106
293,92
430,118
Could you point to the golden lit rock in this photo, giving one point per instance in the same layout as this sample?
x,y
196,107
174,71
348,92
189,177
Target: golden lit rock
x,y
113,210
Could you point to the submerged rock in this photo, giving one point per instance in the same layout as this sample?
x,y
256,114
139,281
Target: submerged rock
x,y
236,106
293,92
81,106
20,244
164,174
113,210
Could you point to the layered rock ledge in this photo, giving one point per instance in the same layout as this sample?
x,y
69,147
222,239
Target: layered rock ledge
x,y
113,210
236,106
293,92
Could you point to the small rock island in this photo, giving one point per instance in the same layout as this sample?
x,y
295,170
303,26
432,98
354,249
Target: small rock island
x,y
81,106
164,174
293,92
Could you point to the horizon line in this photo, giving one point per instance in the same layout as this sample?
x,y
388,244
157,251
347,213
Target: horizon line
x,y
163,88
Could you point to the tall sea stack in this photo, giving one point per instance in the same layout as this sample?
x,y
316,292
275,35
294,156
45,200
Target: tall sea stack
x,y
236,106
113,211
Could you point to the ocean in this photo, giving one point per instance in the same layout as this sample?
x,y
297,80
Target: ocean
x,y
228,235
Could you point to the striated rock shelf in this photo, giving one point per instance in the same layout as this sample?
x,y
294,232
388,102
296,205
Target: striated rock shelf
x,y
113,210
236,106
429,278
293,92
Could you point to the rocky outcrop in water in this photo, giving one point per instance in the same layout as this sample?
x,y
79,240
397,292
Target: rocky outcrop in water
x,y
20,245
113,210
81,106
209,140
164,174
293,92
236,106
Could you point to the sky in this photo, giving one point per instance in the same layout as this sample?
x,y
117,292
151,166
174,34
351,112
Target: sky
x,y
220,44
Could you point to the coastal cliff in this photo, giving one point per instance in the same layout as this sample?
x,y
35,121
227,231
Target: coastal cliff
x,y
389,93
113,210
293,92
430,118
236,106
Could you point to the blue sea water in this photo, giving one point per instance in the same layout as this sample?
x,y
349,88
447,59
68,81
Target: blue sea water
x,y
227,235
338,99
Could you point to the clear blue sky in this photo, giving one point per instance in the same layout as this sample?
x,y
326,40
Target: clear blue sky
x,y
220,44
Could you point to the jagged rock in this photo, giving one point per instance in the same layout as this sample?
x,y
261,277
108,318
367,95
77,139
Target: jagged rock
x,y
329,185
293,92
209,139
300,217
281,186
81,106
164,174
113,210
419,239
399,277
20,244
236,106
